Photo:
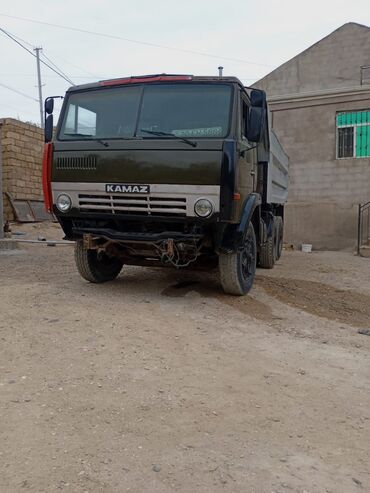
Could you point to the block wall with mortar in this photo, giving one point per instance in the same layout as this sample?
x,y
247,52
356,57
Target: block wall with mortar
x,y
22,148
305,94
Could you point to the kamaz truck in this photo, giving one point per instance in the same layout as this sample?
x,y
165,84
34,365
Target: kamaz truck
x,y
167,170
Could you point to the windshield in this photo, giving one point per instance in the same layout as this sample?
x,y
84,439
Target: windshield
x,y
183,110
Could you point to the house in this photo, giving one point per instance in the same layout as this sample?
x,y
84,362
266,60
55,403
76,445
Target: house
x,y
319,105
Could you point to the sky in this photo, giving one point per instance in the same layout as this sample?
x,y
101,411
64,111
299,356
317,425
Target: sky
x,y
249,39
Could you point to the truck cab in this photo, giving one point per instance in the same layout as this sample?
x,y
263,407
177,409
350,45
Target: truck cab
x,y
166,170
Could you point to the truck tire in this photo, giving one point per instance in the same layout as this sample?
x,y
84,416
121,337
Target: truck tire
x,y
268,251
95,267
237,270
279,237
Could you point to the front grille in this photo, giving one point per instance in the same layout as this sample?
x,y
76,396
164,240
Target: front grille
x,y
133,204
76,163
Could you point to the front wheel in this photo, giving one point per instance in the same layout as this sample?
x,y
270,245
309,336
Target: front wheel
x,y
237,270
96,266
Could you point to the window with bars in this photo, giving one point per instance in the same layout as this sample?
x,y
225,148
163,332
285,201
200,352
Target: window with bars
x,y
353,134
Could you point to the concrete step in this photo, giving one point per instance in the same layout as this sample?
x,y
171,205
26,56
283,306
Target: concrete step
x,y
8,244
365,251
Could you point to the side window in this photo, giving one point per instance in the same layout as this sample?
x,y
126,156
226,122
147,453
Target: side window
x,y
244,117
353,134
70,123
86,122
80,120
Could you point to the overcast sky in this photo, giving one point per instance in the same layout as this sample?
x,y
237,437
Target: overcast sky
x,y
266,33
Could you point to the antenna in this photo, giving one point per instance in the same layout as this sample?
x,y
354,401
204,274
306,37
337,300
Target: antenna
x,y
220,69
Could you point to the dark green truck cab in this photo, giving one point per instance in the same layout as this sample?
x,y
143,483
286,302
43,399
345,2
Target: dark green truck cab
x,y
167,170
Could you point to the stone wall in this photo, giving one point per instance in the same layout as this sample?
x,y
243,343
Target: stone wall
x,y
22,148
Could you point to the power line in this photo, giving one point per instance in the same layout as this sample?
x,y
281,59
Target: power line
x,y
30,52
55,66
23,41
58,56
95,77
113,36
77,66
18,92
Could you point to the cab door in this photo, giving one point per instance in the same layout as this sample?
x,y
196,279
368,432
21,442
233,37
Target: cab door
x,y
246,169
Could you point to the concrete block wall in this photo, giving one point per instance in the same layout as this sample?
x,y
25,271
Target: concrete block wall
x,y
305,94
324,191
308,135
22,149
334,62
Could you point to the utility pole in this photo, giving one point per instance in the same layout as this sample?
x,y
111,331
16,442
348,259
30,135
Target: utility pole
x,y
37,50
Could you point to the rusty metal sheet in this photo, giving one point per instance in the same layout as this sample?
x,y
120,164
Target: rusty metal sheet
x,y
28,211
22,210
39,212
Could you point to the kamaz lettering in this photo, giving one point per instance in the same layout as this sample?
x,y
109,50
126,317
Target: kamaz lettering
x,y
119,188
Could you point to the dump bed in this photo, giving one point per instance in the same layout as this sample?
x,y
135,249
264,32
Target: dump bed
x,y
278,172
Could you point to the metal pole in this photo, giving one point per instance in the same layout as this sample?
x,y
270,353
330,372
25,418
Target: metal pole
x,y
37,50
1,187
359,229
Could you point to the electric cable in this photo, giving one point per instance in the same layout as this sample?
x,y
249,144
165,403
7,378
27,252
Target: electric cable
x,y
55,66
30,52
146,43
18,92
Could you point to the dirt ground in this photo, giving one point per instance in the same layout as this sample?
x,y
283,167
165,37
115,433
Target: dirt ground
x,y
158,383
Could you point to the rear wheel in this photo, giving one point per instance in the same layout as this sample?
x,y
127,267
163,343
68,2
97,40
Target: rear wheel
x,y
237,270
96,266
268,250
279,237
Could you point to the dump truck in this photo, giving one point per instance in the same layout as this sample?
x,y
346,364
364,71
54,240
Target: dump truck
x,y
167,170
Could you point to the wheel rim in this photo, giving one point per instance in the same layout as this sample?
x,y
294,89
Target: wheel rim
x,y
248,258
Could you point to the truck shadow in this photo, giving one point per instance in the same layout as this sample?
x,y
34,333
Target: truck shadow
x,y
211,289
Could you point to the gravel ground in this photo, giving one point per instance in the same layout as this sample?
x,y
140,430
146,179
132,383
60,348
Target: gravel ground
x,y
158,383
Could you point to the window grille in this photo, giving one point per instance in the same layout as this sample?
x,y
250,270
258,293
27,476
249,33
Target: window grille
x,y
353,134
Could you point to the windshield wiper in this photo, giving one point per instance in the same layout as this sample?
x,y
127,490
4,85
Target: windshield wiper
x,y
105,144
169,134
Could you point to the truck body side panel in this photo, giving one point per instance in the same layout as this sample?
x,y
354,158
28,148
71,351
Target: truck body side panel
x,y
277,173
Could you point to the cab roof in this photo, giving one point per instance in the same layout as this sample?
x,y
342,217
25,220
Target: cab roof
x,y
156,78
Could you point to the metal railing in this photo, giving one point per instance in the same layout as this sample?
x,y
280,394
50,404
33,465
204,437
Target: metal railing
x,y
363,226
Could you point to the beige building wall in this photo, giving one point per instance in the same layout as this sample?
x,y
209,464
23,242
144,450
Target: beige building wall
x,y
324,191
305,94
22,148
334,62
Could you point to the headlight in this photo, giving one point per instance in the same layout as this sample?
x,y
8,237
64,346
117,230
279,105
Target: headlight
x,y
203,208
64,202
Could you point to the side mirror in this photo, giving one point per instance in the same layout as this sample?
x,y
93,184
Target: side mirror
x,y
48,130
49,106
258,98
257,115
